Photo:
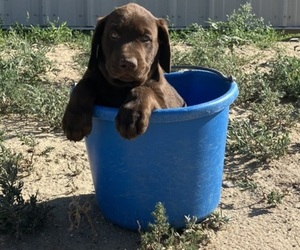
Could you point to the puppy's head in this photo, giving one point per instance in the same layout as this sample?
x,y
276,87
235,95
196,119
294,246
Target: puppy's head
x,y
128,45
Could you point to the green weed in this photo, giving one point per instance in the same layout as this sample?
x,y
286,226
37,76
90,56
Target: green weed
x,y
247,184
274,197
242,27
213,47
256,140
17,216
268,96
284,76
160,235
23,87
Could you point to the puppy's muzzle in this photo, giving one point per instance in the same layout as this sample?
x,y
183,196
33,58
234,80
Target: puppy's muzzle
x,y
127,69
128,64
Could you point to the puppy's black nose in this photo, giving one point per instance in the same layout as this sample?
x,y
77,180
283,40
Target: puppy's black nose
x,y
128,63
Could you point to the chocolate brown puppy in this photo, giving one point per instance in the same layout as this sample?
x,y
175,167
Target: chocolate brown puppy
x,y
130,52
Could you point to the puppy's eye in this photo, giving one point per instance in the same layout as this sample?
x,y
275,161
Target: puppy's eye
x,y
145,38
113,35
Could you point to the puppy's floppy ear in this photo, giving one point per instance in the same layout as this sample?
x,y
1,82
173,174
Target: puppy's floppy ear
x,y
164,45
96,43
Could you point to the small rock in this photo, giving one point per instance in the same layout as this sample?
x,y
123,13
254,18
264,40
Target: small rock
x,y
228,184
295,40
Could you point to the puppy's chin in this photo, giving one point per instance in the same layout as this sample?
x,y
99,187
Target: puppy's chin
x,y
126,82
126,79
122,79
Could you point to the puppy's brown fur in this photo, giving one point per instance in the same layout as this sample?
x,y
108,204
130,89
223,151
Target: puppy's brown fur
x,y
130,50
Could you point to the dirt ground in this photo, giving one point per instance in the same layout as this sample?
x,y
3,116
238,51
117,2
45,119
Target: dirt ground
x,y
63,179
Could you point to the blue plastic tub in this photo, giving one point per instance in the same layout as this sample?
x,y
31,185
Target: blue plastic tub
x,y
178,161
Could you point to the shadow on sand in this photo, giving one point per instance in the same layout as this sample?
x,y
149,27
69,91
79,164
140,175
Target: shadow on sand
x,y
96,233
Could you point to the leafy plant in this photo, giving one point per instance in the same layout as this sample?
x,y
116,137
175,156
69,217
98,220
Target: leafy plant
x,y
215,221
17,216
256,140
274,197
48,103
265,133
243,26
161,235
285,76
247,184
160,231
23,86
213,47
53,33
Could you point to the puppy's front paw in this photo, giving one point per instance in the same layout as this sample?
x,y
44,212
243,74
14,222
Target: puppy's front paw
x,y
77,124
132,121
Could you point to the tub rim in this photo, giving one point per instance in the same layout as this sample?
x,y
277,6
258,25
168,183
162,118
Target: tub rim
x,y
182,113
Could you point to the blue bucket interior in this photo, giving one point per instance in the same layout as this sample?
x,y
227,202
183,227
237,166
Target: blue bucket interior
x,y
178,161
210,91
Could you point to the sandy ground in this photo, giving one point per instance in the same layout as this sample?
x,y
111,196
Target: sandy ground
x,y
62,179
